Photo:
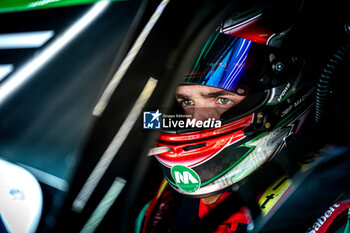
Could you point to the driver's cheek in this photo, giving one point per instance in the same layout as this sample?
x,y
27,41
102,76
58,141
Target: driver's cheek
x,y
189,111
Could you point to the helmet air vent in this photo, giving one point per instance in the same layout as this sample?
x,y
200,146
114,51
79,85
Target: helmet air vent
x,y
191,147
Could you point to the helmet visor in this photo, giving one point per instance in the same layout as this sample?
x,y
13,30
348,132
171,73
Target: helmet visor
x,y
227,62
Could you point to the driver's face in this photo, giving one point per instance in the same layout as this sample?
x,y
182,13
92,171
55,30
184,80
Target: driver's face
x,y
204,102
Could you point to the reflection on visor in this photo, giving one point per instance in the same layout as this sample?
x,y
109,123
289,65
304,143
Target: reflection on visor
x,y
220,63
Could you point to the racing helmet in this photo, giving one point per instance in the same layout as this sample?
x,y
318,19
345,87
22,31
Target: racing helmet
x,y
200,162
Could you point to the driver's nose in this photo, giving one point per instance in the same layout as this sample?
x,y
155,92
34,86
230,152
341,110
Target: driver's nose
x,y
202,114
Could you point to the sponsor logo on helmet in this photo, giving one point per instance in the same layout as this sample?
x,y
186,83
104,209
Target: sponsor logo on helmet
x,y
297,103
284,92
185,178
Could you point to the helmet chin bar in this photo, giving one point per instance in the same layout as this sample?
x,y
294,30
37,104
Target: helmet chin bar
x,y
262,150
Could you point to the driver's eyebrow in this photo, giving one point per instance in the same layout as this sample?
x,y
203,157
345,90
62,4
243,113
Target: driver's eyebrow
x,y
216,94
181,96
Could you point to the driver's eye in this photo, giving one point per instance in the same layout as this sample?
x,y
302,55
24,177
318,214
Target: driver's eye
x,y
224,100
187,102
